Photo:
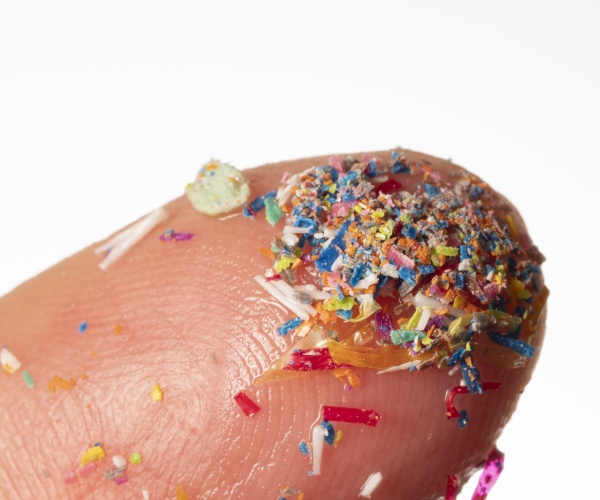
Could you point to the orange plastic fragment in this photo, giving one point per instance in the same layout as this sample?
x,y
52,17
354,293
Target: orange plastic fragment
x,y
60,383
117,329
180,494
379,358
267,252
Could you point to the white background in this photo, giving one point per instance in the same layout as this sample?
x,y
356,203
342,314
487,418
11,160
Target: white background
x,y
107,110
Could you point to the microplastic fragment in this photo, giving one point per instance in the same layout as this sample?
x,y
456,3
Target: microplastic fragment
x,y
82,327
452,412
248,406
114,473
86,470
119,461
146,494
318,440
371,484
27,378
303,360
491,472
170,235
69,478
303,447
9,361
156,393
93,454
60,383
121,479
521,347
135,458
122,242
328,431
117,329
351,415
288,326
338,437
273,211
218,188
451,488
180,494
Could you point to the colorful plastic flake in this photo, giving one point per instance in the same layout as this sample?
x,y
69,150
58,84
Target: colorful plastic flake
x,y
9,361
156,393
248,406
351,415
451,488
491,472
171,235
218,188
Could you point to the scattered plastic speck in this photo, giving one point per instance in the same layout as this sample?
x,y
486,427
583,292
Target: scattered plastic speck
x,y
9,361
156,393
93,454
135,458
121,479
27,378
248,406
86,470
69,478
82,327
117,329
218,188
180,494
119,461
146,494
371,484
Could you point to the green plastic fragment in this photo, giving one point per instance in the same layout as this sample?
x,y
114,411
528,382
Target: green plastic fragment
x,y
218,188
27,378
414,321
336,304
284,262
447,251
135,458
273,211
402,336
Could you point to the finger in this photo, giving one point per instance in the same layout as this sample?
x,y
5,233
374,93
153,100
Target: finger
x,y
192,319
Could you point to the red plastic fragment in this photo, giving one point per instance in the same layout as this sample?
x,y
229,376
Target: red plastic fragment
x,y
451,411
248,406
351,415
491,471
303,360
389,187
451,488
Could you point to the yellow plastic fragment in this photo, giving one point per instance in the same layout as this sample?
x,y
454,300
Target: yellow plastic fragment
x,y
338,437
284,262
335,304
156,393
414,321
512,228
93,454
366,309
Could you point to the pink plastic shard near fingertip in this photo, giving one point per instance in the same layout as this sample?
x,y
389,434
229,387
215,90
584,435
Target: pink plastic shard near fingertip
x,y
451,488
491,472
69,477
86,469
336,163
121,479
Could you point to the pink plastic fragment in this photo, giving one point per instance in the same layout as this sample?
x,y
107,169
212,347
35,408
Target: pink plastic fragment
x,y
171,235
384,325
341,209
69,477
303,360
121,479
491,472
451,488
451,411
350,415
248,406
87,469
400,259
336,163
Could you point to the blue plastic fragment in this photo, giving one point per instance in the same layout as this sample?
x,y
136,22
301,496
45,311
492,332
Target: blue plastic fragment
x,y
288,326
456,356
83,327
344,314
471,375
465,251
330,435
409,231
407,274
303,448
432,190
334,250
459,280
464,419
306,222
356,274
428,269
521,347
398,166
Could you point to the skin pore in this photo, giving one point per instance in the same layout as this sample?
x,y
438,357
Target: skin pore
x,y
194,321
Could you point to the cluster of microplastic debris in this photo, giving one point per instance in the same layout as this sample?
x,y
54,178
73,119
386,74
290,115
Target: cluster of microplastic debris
x,y
378,277
91,459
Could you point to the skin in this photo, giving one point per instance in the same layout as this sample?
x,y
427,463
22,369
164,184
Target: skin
x,y
194,321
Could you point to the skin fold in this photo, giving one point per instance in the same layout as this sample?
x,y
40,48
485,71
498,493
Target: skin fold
x,y
194,321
